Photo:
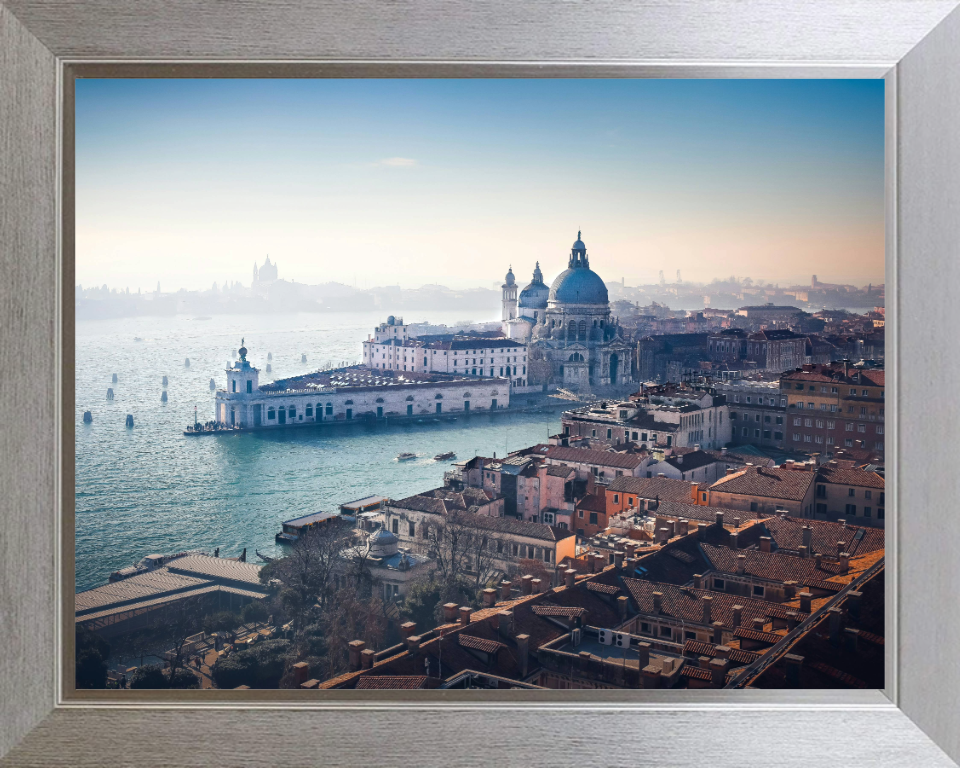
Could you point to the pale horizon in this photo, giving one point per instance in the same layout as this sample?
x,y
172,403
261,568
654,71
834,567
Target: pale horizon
x,y
410,183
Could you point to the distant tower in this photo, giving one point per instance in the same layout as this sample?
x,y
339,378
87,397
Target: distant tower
x,y
813,283
661,278
678,277
255,276
510,296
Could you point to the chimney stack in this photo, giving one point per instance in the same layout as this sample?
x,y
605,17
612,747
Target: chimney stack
x,y
366,658
450,612
808,537
844,562
804,552
506,623
736,522
413,644
851,637
301,671
465,611
853,604
571,576
707,604
651,676
817,557
599,561
766,544
718,672
535,586
618,560
682,526
759,623
698,581
489,597
836,619
505,590
407,628
789,589
721,651
622,607
841,547
733,540
720,518
792,620
643,653
793,664
806,602
657,602
523,652
717,632
737,615
524,585
663,535
741,564
355,647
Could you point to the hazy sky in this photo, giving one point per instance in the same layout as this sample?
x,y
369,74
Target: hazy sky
x,y
451,181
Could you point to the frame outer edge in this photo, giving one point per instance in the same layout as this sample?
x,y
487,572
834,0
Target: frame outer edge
x,y
929,369
28,400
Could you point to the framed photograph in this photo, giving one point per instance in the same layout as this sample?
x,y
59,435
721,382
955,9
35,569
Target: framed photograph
x,y
437,372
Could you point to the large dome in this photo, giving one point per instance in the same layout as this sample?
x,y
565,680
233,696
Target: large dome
x,y
382,543
579,285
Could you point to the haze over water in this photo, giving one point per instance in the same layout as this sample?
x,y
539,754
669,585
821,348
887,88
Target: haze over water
x,y
150,489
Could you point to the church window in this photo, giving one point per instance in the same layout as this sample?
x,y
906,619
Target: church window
x,y
271,414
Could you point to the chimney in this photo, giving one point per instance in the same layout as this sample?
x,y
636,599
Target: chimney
x,y
730,470
663,535
407,629
505,590
851,637
355,647
643,653
682,526
657,602
789,589
806,602
366,658
618,560
523,652
804,552
449,612
524,585
737,615
598,563
720,518
718,672
622,607
841,548
793,618
741,564
734,540
853,604
301,671
489,597
571,576
717,632
704,662
413,644
793,664
506,623
660,474
808,537
465,611
844,562
680,459
721,651
706,603
535,586
766,544
817,557
836,618
698,581
651,676
736,522
759,623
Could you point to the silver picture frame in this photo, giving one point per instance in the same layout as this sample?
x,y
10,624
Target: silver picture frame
x,y
913,44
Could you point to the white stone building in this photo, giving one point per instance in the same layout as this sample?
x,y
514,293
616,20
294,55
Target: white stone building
x,y
356,392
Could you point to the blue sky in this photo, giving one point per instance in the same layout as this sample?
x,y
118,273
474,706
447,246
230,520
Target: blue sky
x,y
414,181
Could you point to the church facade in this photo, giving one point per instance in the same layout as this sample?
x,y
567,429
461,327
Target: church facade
x,y
569,325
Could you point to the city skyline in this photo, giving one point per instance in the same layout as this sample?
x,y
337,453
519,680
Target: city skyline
x,y
450,182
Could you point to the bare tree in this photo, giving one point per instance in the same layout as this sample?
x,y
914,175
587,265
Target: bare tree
x,y
466,555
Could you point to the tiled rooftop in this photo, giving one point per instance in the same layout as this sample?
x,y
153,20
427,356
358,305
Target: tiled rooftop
x,y
664,488
767,482
601,458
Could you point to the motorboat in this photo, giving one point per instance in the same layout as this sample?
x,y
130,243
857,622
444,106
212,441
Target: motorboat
x,y
445,456
406,456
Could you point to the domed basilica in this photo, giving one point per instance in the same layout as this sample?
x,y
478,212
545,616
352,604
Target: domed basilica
x,y
570,323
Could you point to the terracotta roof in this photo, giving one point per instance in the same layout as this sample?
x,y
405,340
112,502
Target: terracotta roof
x,y
558,610
522,528
601,458
391,682
593,502
689,670
787,533
479,643
772,566
768,482
687,462
849,476
607,589
665,488
689,511
763,637
737,655
685,604
560,470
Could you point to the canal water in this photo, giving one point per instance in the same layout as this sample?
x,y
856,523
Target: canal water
x,y
149,489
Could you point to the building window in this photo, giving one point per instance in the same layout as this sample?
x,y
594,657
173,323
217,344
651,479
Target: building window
x,y
779,419
609,433
851,509
753,506
797,421
593,518
746,432
851,492
271,414
806,438
867,512
411,529
879,429
880,513
848,427
818,439
848,443
808,422
861,427
616,498
868,494
396,525
778,435
796,437
666,632
758,591
819,423
718,584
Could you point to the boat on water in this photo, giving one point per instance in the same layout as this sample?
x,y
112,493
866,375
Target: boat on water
x,y
406,456
264,557
445,456
137,338
210,428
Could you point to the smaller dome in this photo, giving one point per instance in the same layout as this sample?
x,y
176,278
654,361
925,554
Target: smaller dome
x,y
382,543
391,320
511,280
578,244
